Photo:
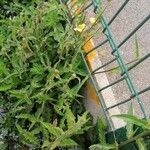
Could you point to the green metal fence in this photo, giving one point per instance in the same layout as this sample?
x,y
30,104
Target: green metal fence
x,y
117,57
125,70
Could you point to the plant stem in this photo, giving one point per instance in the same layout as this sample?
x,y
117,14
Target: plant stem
x,y
143,134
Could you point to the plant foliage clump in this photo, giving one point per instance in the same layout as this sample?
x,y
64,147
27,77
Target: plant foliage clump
x,y
41,73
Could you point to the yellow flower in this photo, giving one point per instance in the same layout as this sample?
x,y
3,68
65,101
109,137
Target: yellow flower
x,y
92,20
80,27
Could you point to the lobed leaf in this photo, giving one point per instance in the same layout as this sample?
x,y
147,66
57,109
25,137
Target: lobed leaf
x,y
134,120
101,127
70,118
104,147
141,144
28,135
68,142
129,127
56,131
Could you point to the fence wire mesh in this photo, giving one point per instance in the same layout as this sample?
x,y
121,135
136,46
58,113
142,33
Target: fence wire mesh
x,y
117,57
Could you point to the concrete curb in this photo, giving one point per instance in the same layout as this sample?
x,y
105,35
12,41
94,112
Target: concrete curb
x,y
92,101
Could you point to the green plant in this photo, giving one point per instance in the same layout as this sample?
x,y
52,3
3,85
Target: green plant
x,y
132,133
41,74
102,129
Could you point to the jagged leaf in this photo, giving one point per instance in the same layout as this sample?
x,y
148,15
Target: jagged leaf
x,y
27,135
37,69
101,127
5,87
104,147
46,144
134,120
31,118
21,94
19,108
68,142
70,117
141,144
27,116
36,131
74,130
52,129
3,68
129,127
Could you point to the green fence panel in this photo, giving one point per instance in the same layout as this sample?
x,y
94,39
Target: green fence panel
x,y
125,70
